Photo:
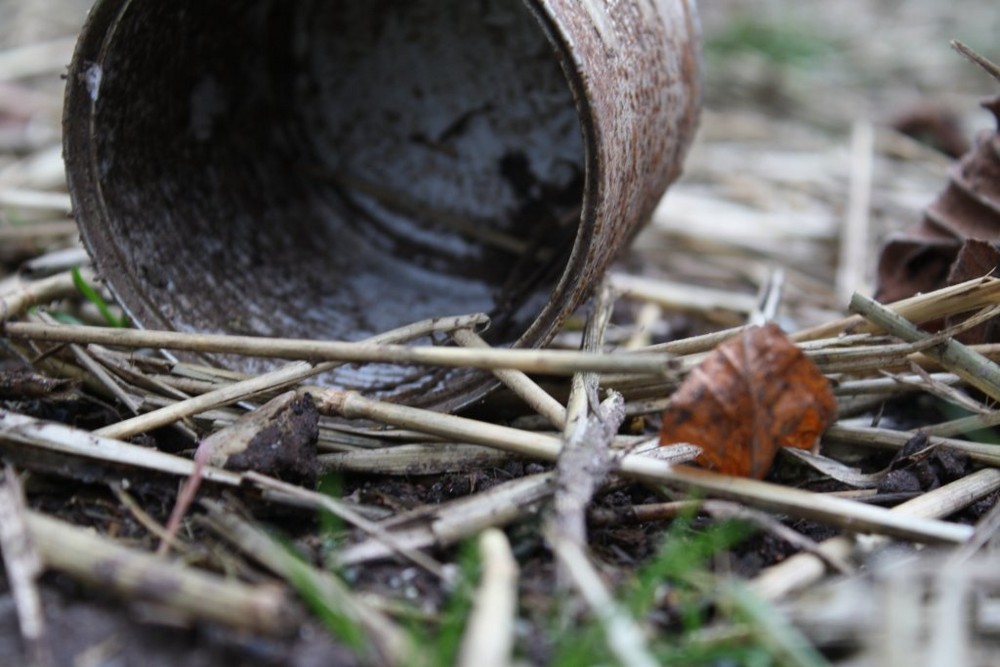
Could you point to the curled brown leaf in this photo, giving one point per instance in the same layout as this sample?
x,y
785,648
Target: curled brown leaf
x,y
754,394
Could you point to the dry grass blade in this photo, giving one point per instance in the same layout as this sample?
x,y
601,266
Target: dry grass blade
x,y
543,362
129,371
803,569
987,66
837,470
392,643
674,295
954,300
624,637
22,567
884,438
146,521
100,562
102,376
949,394
893,383
835,511
282,378
846,514
948,499
695,344
719,509
36,200
38,230
857,233
489,635
35,59
964,424
20,431
647,318
968,364
519,383
38,292
414,460
277,489
456,429
276,380
455,520
986,530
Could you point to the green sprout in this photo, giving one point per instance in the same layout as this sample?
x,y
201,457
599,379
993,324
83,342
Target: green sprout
x,y
94,297
778,43
680,571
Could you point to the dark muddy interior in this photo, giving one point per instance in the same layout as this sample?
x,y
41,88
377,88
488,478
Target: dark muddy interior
x,y
332,169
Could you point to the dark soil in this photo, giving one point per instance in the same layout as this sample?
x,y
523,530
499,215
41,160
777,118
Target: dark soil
x,y
88,627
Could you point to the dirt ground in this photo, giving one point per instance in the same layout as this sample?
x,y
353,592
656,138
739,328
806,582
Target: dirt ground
x,y
791,88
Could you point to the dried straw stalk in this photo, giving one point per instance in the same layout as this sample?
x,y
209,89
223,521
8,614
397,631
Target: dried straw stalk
x,y
102,563
542,362
835,511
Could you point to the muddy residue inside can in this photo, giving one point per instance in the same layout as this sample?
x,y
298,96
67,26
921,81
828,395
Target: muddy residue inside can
x,y
331,169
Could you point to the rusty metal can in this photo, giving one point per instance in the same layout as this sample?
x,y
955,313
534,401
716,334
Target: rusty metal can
x,y
333,168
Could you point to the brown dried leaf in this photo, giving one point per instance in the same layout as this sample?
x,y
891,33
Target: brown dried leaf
x,y
935,125
975,259
753,394
923,256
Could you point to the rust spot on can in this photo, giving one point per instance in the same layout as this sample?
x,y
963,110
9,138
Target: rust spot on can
x,y
336,169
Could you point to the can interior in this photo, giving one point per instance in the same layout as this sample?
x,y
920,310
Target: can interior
x,y
332,169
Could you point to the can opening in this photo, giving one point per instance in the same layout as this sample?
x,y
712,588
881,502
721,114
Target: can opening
x,y
327,168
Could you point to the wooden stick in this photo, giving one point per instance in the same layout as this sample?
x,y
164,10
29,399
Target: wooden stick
x,y
456,429
584,460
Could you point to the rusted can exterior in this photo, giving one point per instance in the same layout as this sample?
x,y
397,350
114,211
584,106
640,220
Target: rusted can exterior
x,y
334,168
